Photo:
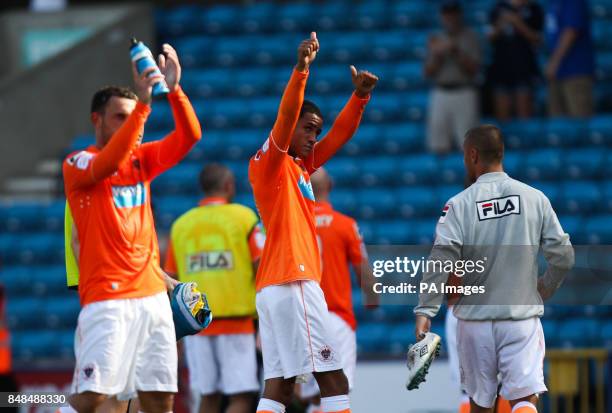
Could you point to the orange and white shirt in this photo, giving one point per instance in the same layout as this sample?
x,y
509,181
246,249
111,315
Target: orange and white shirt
x,y
283,193
340,245
109,195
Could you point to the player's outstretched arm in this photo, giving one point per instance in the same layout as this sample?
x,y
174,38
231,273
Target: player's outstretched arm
x,y
293,96
85,169
348,120
162,155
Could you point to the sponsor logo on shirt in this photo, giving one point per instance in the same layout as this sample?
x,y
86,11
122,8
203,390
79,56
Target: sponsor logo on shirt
x,y
129,196
210,260
81,160
498,207
306,188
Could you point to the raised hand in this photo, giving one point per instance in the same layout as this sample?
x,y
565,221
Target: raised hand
x,y
143,83
364,82
170,67
307,52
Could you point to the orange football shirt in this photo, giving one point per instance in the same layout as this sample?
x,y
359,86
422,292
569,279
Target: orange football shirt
x,y
340,244
108,191
283,193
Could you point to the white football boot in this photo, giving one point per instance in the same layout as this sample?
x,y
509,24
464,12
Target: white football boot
x,y
420,356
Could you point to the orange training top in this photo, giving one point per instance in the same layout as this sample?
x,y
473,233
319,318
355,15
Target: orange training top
x,y
340,244
109,196
283,193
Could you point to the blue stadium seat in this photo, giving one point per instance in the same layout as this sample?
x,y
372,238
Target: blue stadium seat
x,y
574,226
220,19
65,340
48,280
513,163
372,338
21,217
406,76
62,312
451,169
273,49
543,164
262,113
344,171
233,51
346,48
379,171
293,17
551,332
400,336
579,332
160,118
606,191
523,134
392,232
345,201
600,128
366,228
376,203
606,334
419,169
38,249
17,280
182,178
369,139
446,192
405,138
415,105
581,197
178,21
391,45
243,143
168,208
35,345
331,78
565,132
599,229
202,83
413,14
417,201
422,232
550,189
24,313
334,15
195,51
386,108
259,16
370,15
585,163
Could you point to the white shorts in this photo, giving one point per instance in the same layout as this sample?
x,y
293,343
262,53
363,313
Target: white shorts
x,y
347,351
224,364
124,346
514,349
450,328
296,334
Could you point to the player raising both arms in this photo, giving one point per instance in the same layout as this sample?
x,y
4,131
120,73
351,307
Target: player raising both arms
x,y
125,341
293,317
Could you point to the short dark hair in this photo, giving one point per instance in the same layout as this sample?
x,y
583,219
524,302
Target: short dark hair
x,y
488,141
213,177
102,96
310,107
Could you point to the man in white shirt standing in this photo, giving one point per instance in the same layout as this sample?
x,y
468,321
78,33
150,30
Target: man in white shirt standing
x,y
503,222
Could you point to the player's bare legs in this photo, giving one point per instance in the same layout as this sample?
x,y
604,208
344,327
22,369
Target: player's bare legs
x,y
156,401
474,408
211,403
86,402
525,405
332,383
279,390
240,403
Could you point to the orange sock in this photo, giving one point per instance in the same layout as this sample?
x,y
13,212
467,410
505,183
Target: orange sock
x,y
524,407
464,407
503,405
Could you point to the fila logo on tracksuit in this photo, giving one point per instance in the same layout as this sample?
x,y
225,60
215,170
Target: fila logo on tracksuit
x,y
498,207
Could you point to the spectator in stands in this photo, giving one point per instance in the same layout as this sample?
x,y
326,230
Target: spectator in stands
x,y
453,62
571,65
515,32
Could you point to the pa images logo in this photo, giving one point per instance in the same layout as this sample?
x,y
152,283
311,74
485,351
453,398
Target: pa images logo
x,y
326,354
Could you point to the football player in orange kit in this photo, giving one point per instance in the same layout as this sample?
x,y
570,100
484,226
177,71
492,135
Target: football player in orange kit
x,y
293,318
125,341
340,245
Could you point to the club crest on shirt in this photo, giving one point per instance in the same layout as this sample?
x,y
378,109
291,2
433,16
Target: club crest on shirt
x,y
89,371
306,188
326,354
498,207
80,160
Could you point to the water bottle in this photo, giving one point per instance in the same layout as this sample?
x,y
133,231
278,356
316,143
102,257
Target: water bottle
x,y
143,57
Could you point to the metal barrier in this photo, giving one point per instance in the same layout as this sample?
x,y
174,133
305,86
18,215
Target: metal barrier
x,y
568,377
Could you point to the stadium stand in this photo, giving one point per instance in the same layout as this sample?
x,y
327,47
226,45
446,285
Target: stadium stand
x,y
236,61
